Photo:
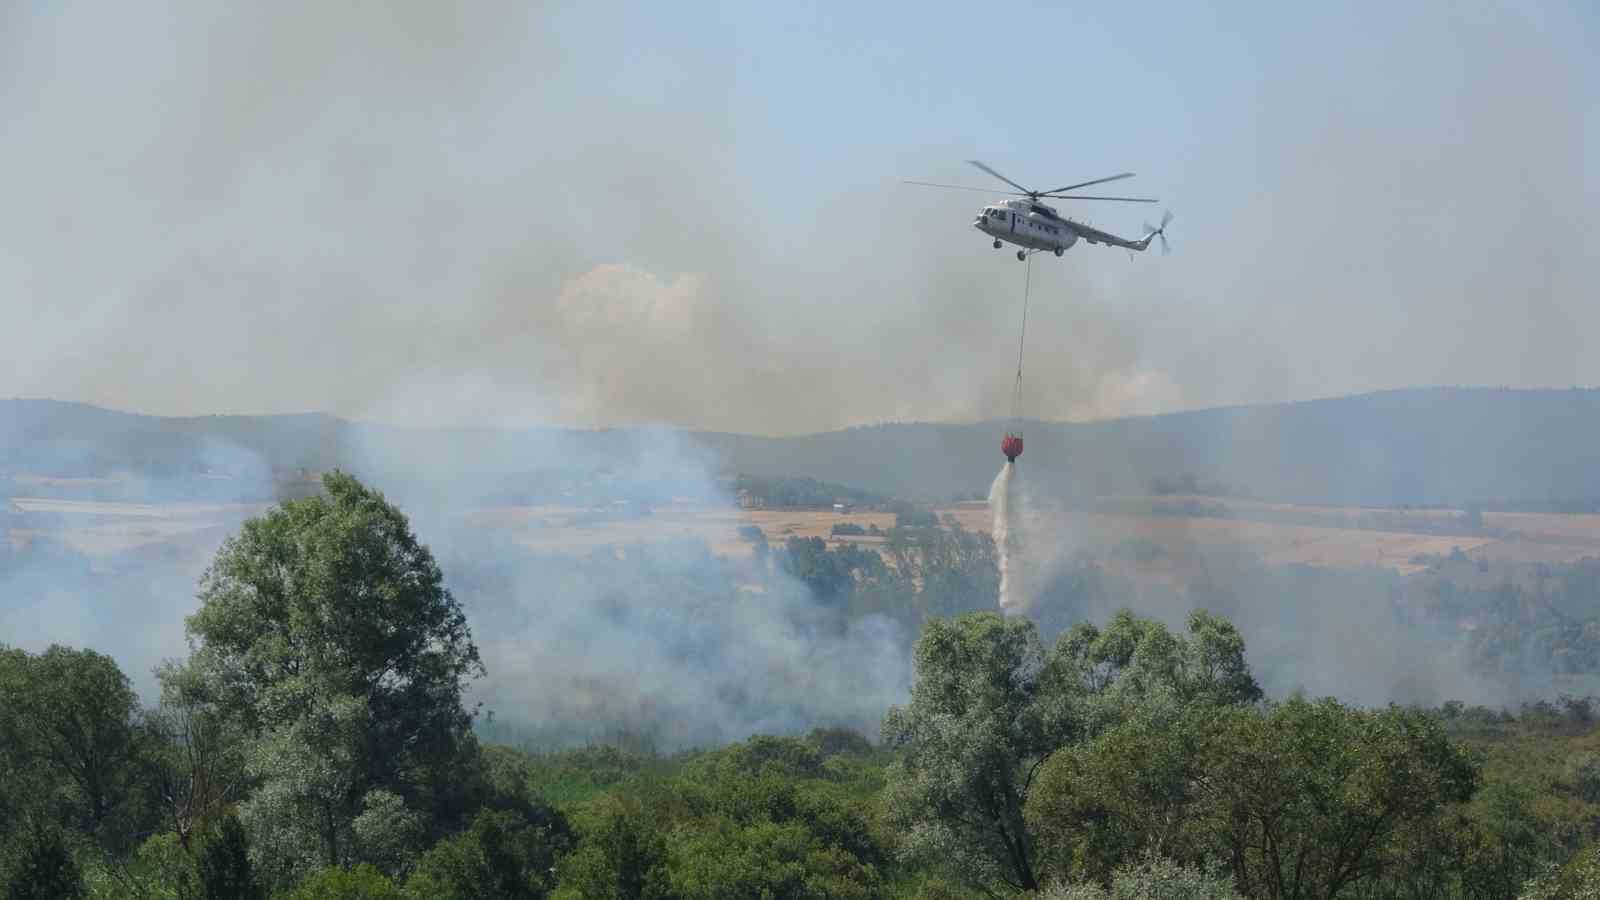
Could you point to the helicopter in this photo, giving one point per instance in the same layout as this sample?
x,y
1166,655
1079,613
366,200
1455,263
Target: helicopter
x,y
1034,226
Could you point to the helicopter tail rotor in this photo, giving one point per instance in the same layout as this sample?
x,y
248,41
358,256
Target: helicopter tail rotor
x,y
1159,231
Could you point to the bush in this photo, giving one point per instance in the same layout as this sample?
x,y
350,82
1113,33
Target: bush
x,y
910,515
1577,880
360,883
767,859
160,867
1155,878
763,754
386,833
500,857
622,854
847,528
837,741
224,865
41,867
1582,777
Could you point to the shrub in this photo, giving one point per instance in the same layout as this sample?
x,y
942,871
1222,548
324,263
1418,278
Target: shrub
x,y
41,866
224,865
1155,878
333,883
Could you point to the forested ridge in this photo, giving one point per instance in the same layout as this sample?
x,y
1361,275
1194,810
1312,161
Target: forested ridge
x,y
319,741
1494,448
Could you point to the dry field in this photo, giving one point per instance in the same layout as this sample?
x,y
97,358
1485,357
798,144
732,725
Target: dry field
x,y
555,528
1317,539
1551,538
105,528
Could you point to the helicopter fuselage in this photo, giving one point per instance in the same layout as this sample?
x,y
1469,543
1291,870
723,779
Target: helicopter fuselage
x,y
1027,224
1031,225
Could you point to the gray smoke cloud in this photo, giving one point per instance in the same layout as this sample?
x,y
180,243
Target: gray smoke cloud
x,y
652,636
510,212
656,637
507,213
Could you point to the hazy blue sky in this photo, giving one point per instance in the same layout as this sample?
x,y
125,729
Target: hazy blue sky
x,y
691,213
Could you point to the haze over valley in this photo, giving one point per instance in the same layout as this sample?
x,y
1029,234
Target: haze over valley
x,y
1328,536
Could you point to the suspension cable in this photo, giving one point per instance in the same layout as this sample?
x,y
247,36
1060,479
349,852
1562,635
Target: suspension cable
x,y
1027,285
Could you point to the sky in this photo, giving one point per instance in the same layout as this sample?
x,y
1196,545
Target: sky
x,y
694,214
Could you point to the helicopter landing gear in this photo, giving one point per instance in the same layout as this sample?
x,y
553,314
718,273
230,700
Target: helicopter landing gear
x,y
997,244
1021,255
1060,251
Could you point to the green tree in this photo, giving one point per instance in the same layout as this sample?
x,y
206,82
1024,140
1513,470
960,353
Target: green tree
x,y
1130,791
197,761
1309,798
40,866
830,574
326,635
621,855
161,867
224,867
72,716
1152,878
989,709
21,782
1507,843
362,882
1136,660
977,728
781,861
501,857
387,834
1579,879
1582,776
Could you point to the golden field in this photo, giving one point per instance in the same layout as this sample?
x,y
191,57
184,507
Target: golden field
x,y
1319,535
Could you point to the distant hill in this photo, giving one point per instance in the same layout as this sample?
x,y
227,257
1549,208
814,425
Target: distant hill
x,y
1436,446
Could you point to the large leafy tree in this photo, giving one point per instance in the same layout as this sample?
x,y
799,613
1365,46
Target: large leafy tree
x,y
1129,791
622,854
979,724
326,635
1313,798
1152,878
224,867
69,729
39,865
989,709
827,846
196,762
500,857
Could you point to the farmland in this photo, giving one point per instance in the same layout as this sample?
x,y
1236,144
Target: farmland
x,y
1277,534
1511,537
1161,534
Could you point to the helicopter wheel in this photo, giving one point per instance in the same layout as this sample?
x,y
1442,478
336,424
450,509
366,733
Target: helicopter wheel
x,y
1059,251
1021,255
997,245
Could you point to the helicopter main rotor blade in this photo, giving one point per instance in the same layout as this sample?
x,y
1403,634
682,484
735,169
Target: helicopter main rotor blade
x,y
1073,187
962,187
1123,199
1019,187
